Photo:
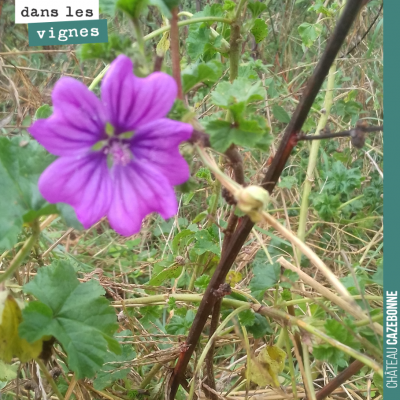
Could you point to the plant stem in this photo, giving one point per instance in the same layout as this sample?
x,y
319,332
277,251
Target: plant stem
x,y
175,57
312,161
277,314
150,375
49,378
239,9
285,335
160,31
234,53
139,38
23,253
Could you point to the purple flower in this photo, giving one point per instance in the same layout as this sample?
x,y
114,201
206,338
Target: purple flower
x,y
119,157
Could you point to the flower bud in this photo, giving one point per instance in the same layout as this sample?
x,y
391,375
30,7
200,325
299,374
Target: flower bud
x,y
252,200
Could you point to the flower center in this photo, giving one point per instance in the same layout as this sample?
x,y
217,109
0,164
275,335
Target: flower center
x,y
118,153
115,147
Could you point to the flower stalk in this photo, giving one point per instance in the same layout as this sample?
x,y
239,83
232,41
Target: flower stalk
x,y
23,252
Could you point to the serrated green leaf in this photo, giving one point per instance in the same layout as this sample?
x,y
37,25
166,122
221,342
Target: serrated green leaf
x,y
265,277
202,281
223,134
287,182
280,114
260,327
21,164
241,91
247,318
75,313
257,7
180,325
309,33
205,242
115,366
259,30
208,72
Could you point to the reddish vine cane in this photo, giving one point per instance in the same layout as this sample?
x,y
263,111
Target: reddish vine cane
x,y
286,146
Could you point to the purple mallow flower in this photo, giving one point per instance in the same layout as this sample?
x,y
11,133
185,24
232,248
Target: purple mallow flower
x,y
119,157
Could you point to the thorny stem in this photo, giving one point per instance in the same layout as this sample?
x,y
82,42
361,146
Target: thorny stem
x,y
244,227
174,38
23,253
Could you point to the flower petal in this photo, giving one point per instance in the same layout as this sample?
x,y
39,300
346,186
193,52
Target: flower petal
x,y
77,123
133,101
82,182
158,143
139,189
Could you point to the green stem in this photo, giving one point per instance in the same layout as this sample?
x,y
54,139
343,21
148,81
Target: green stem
x,y
301,233
239,9
288,346
234,53
277,314
23,253
199,263
160,31
98,78
49,378
307,370
150,375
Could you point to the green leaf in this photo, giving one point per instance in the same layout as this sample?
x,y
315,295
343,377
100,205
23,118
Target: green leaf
x,y
240,92
115,366
21,164
287,182
265,276
132,7
75,313
331,354
208,72
280,114
168,273
378,276
309,33
259,30
378,382
256,7
223,134
326,205
202,281
183,238
205,242
43,112
179,325
260,327
229,5
247,318
7,372
199,36
116,45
